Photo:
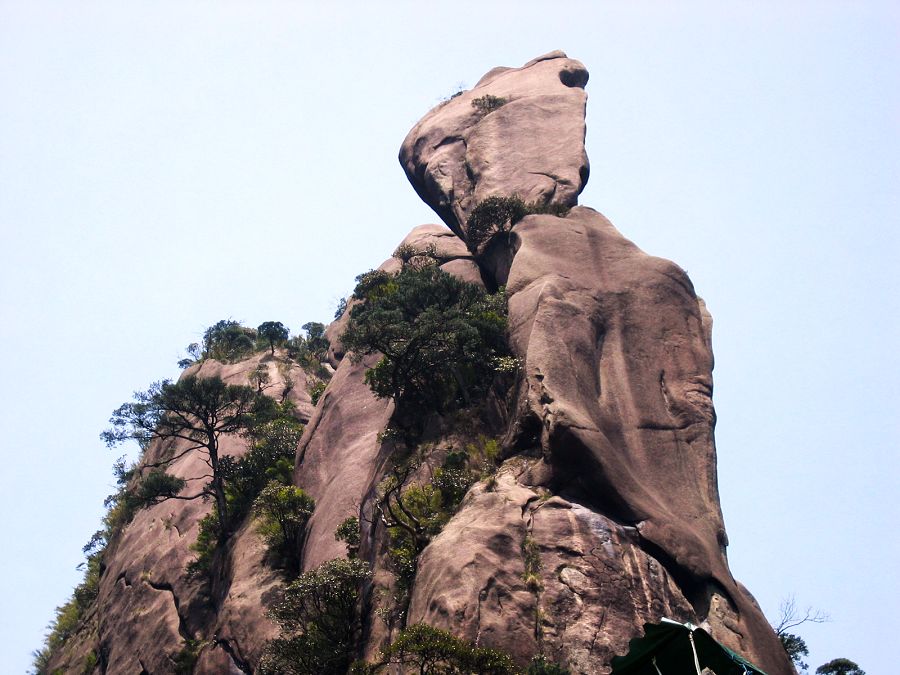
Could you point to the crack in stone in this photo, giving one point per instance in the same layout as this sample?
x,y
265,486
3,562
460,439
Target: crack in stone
x,y
182,624
597,632
234,654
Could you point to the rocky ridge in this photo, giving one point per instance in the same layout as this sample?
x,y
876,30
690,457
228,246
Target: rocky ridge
x,y
604,513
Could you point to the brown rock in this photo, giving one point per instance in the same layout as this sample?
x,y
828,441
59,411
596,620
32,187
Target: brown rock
x,y
531,146
147,606
341,459
605,514
616,394
522,571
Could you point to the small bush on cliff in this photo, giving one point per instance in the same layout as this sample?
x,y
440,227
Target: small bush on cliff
x,y
496,215
319,621
437,335
424,649
487,104
316,391
283,511
269,460
541,666
311,350
348,532
414,514
491,216
228,341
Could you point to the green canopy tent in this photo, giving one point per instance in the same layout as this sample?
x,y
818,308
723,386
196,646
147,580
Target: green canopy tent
x,y
672,648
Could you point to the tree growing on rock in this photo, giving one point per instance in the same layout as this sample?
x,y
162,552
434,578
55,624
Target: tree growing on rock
x,y
283,511
273,331
789,618
840,667
228,340
195,411
438,337
319,621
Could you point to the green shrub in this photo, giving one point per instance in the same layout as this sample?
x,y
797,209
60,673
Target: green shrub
x,y
487,104
208,538
415,514
492,216
89,663
310,351
271,457
495,215
228,341
259,377
437,336
186,659
410,255
429,650
283,511
316,391
348,532
319,621
540,666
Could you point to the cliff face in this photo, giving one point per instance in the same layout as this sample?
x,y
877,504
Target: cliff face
x,y
604,513
616,396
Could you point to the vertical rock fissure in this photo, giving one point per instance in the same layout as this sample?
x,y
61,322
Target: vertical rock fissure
x,y
531,560
234,654
182,624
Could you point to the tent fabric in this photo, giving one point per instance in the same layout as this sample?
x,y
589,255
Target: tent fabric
x,y
666,649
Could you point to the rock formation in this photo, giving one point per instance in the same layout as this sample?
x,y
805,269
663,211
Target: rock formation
x,y
616,396
604,513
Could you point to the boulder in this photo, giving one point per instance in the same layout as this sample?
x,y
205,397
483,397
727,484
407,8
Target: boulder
x,y
519,131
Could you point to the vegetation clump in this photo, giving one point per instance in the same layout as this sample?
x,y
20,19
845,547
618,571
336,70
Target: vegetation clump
x,y
310,351
488,103
348,532
437,336
283,511
414,513
273,332
541,666
316,391
194,411
424,649
319,620
269,461
228,341
496,215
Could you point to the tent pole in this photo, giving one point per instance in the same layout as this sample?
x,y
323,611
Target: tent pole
x,y
653,661
694,650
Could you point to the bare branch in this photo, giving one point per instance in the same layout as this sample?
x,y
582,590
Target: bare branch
x,y
791,617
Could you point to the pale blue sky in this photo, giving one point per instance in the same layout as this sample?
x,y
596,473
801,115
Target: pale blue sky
x,y
165,165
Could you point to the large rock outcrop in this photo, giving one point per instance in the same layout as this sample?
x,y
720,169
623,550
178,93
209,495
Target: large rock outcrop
x,y
149,612
616,396
518,131
604,513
